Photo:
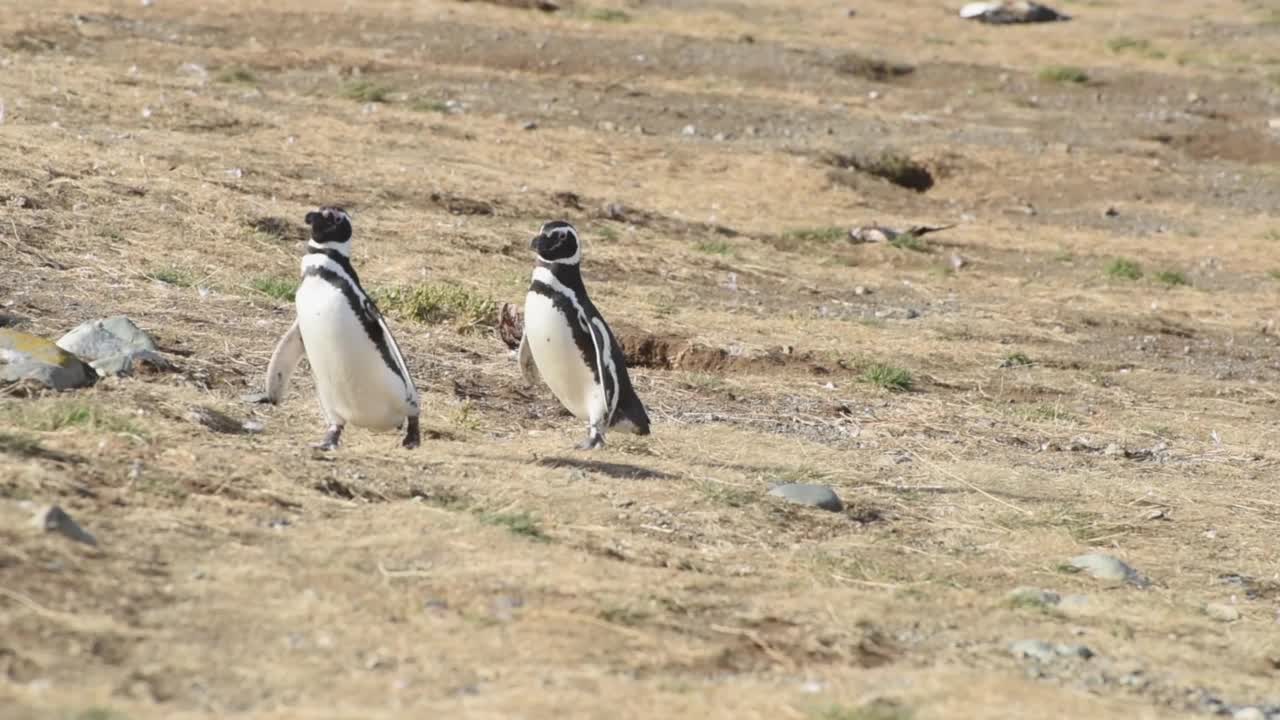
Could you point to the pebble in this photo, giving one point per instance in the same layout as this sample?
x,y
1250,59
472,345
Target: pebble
x,y
819,496
1044,652
689,130
29,357
861,290
1249,713
531,125
1109,568
957,262
55,519
1274,123
1222,612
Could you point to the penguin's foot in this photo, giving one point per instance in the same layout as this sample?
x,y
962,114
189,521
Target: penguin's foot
x,y
594,440
331,439
412,438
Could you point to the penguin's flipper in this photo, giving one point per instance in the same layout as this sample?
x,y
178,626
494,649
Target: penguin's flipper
x,y
528,368
283,362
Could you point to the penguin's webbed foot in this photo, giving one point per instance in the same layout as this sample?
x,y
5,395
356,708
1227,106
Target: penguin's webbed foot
x,y
594,440
331,439
412,437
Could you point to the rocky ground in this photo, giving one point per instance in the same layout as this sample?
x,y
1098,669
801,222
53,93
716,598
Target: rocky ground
x,y
1024,466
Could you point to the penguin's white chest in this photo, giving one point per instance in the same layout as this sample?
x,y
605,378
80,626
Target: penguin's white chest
x,y
560,363
353,380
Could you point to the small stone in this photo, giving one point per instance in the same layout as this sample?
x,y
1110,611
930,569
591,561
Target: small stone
x,y
958,261
127,363
1222,612
530,125
1108,568
1073,603
873,95
1274,123
255,398
1110,212
1074,650
851,13
860,290
1249,713
55,519
607,126
252,426
719,137
1037,650
29,357
819,496
1113,450
689,130
1193,97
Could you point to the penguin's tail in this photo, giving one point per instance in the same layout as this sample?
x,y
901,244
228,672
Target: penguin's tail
x,y
630,416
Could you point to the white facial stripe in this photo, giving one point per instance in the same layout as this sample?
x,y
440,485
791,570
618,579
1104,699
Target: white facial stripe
x,y
344,247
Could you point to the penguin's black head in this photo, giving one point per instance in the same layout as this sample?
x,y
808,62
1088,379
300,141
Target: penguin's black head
x,y
557,242
330,229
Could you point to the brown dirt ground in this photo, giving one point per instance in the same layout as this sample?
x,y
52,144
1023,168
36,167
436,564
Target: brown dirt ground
x,y
496,573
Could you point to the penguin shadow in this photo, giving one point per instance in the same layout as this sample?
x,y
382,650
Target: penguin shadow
x,y
622,471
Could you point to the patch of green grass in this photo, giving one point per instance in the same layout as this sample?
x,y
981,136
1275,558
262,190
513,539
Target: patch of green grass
x,y
1030,602
1043,412
64,415
822,234
1064,256
428,105
279,288
436,303
1063,74
1272,234
20,445
625,615
1015,360
1171,278
607,233
366,91
894,379
733,496
1138,46
519,523
1124,269
714,247
172,275
1273,274
608,15
909,241
236,74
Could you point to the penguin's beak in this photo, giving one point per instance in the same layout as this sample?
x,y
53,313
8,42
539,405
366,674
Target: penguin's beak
x,y
533,244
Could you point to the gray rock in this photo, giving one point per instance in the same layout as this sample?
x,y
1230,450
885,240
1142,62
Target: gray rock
x,y
126,363
99,339
819,496
1108,568
29,357
1073,603
1037,650
1222,612
55,519
1249,713
1080,651
114,346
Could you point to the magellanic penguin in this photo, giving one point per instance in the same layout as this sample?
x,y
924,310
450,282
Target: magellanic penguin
x,y
360,375
568,343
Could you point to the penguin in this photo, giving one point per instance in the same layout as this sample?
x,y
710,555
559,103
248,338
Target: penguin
x,y
361,377
568,344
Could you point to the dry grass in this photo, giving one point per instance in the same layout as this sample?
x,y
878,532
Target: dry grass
x,y
495,572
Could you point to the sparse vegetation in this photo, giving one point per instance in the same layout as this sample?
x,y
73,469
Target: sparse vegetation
x,y
59,415
1065,74
875,710
1043,412
429,105
819,235
715,247
278,288
172,275
912,242
894,379
366,91
1171,278
869,68
608,15
1015,360
1124,269
518,523
437,303
1138,46
1273,274
236,74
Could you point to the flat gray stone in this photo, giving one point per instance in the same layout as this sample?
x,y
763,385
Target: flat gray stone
x,y
819,496
1222,612
1108,568
1037,650
29,357
101,339
55,519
